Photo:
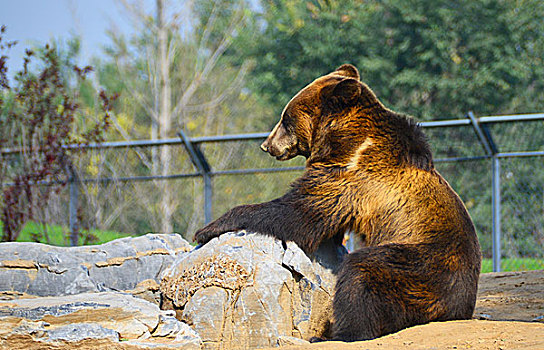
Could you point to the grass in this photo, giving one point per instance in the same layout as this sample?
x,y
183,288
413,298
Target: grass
x,y
514,264
59,235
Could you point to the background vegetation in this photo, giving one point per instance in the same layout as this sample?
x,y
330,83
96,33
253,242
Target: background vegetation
x,y
220,67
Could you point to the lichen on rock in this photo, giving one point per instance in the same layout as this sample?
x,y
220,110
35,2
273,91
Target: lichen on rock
x,y
246,290
217,270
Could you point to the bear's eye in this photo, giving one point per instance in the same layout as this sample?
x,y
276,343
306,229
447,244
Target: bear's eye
x,y
284,122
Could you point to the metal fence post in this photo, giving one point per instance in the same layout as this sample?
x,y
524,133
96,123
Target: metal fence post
x,y
73,207
201,163
491,149
208,194
496,200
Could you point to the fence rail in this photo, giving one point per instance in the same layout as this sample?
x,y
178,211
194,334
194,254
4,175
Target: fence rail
x,y
481,130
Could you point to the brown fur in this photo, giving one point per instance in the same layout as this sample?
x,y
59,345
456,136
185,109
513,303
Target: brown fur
x,y
369,170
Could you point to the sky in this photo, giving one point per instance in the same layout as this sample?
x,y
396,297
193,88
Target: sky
x,y
32,22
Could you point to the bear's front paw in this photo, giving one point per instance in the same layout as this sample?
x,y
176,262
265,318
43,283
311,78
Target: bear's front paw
x,y
229,222
205,234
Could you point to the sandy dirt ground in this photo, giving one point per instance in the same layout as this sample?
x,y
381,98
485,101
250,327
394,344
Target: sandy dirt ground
x,y
509,315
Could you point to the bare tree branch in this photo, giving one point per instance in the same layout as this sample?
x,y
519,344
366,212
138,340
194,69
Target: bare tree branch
x,y
136,13
210,64
236,83
136,95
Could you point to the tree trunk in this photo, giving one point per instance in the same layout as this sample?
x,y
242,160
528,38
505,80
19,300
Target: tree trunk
x,y
165,119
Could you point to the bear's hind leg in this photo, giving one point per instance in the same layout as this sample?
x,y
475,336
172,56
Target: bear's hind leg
x,y
357,314
381,290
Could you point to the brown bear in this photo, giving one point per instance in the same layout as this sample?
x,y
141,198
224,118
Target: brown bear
x,y
370,171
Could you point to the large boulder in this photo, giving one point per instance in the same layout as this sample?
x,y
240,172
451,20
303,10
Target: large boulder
x,y
91,321
44,270
245,290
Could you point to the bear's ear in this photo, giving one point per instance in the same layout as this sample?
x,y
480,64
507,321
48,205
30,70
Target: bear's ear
x,y
347,91
348,70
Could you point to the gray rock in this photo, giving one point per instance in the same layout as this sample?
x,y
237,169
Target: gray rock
x,y
245,290
109,310
208,318
100,320
44,270
79,331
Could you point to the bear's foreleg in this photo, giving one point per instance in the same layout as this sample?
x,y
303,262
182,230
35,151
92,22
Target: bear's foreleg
x,y
283,218
251,217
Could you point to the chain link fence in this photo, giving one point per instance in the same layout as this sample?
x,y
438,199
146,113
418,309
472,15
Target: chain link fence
x,y
496,164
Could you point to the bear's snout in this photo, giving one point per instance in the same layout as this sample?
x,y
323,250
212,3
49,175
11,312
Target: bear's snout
x,y
272,149
280,143
268,147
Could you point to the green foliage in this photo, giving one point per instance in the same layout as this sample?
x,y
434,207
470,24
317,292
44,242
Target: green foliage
x,y
433,59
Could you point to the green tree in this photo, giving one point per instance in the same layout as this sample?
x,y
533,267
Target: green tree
x,y
433,59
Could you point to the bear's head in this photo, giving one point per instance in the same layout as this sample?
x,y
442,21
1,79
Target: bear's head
x,y
302,121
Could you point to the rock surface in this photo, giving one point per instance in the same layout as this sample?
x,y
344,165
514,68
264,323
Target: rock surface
x,y
91,320
244,291
43,270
